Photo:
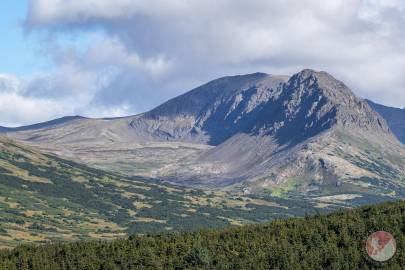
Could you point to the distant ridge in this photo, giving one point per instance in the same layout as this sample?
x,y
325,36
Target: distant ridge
x,y
47,124
395,118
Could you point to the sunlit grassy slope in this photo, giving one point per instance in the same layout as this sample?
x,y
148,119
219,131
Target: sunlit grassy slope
x,y
44,198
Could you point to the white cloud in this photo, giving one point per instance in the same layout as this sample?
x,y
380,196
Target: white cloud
x,y
25,102
151,50
16,109
9,83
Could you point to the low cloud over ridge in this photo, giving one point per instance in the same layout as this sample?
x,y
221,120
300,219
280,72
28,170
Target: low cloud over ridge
x,y
145,52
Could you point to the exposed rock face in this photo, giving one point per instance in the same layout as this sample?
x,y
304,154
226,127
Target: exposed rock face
x,y
213,112
291,110
306,133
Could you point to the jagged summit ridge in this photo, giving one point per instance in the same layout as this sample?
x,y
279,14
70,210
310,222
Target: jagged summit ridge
x,y
289,108
197,100
321,93
214,111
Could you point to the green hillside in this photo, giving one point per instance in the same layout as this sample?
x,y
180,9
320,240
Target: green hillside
x,y
333,241
44,198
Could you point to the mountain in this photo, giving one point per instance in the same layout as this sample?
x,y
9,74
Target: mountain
x,y
395,118
334,241
261,104
213,112
306,135
45,199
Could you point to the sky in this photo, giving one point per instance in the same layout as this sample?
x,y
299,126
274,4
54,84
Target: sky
x,y
106,58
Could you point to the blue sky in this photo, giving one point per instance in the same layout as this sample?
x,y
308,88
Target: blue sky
x,y
20,54
105,58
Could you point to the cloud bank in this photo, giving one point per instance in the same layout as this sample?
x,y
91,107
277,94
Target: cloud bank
x,y
147,51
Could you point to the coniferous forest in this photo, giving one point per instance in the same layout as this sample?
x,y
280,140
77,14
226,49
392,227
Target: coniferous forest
x,y
332,241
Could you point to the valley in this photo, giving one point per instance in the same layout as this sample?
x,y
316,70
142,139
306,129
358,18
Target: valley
x,y
46,199
237,150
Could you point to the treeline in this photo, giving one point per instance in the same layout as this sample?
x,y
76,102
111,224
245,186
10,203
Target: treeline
x,y
333,241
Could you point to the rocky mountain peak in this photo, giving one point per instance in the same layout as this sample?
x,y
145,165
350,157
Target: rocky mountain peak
x,y
314,88
196,101
324,83
290,109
